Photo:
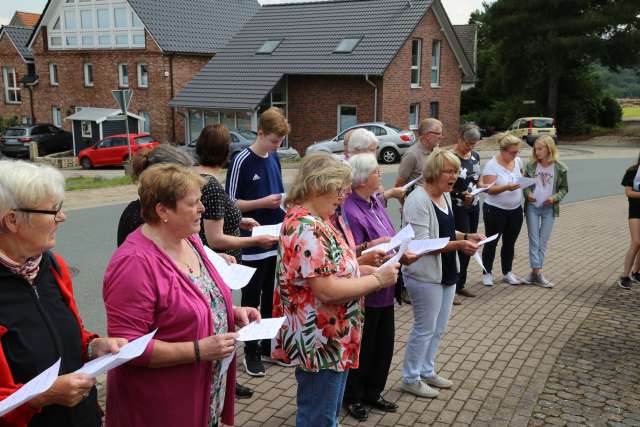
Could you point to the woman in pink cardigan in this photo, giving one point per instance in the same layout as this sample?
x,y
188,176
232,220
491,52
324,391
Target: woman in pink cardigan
x,y
161,278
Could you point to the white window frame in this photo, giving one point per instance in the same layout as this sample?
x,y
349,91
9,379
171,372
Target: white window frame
x,y
85,69
340,106
139,67
121,82
86,130
145,124
53,74
436,49
56,116
131,27
416,122
416,67
11,85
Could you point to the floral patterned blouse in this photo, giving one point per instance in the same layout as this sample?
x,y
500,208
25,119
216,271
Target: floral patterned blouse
x,y
317,335
212,293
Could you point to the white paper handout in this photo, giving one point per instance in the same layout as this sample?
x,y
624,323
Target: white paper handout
x,y
397,256
525,182
478,190
224,365
406,233
267,230
478,259
488,239
420,247
31,389
236,276
264,329
410,183
109,361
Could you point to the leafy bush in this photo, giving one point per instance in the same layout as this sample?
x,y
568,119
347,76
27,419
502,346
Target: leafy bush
x,y
610,112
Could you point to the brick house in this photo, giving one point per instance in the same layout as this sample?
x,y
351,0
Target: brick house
x,y
83,49
333,64
16,62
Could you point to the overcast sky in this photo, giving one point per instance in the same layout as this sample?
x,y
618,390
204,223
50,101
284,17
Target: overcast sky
x,y
458,10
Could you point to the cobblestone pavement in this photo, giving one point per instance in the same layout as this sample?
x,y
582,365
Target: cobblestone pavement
x,y
501,347
596,379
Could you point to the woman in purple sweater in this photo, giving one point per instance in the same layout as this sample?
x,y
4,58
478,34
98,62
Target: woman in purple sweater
x,y
368,220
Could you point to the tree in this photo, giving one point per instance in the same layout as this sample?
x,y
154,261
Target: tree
x,y
538,42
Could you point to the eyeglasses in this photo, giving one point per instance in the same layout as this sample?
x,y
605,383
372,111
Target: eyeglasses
x,y
343,192
434,133
55,213
451,172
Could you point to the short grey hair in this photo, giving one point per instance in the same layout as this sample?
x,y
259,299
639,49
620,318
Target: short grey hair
x,y
26,185
361,167
428,125
362,139
470,132
163,153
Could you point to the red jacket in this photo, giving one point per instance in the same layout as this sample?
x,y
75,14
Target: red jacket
x,y
21,416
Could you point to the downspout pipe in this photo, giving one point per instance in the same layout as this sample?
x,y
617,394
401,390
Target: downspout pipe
x,y
375,97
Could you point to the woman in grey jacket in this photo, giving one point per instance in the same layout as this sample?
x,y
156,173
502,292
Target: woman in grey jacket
x,y
431,280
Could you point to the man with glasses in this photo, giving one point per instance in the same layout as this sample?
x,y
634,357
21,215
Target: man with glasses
x,y
429,136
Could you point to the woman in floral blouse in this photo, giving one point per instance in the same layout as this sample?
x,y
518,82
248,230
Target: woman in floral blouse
x,y
320,291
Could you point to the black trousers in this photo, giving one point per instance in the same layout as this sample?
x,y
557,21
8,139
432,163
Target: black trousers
x,y
376,350
466,222
259,294
506,222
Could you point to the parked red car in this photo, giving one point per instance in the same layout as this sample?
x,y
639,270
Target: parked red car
x,y
113,150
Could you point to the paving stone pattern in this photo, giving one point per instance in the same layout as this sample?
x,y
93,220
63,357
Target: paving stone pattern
x,y
501,347
596,379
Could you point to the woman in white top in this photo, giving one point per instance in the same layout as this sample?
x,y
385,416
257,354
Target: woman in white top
x,y
502,209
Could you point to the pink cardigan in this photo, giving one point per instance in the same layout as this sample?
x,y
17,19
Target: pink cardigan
x,y
144,290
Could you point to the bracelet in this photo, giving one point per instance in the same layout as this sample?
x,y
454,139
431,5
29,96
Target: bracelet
x,y
89,350
377,276
196,348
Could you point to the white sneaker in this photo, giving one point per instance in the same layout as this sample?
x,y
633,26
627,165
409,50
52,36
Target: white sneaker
x,y
544,282
529,279
487,279
420,389
437,381
511,279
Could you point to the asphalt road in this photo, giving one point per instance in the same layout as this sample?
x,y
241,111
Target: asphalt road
x,y
87,239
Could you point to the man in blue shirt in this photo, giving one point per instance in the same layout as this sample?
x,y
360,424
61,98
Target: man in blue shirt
x,y
254,182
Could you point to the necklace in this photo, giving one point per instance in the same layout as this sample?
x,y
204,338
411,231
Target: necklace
x,y
189,268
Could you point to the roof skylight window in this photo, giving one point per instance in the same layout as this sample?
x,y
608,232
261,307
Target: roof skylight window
x,y
268,47
347,45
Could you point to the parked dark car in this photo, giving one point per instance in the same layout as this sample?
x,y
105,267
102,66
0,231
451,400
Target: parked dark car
x,y
50,139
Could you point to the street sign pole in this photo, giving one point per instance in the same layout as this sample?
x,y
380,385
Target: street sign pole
x,y
123,98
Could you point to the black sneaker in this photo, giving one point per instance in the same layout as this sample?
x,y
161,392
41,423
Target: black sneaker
x,y
243,392
635,277
253,363
624,283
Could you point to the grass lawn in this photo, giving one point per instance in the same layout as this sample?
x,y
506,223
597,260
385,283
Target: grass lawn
x,y
84,183
631,112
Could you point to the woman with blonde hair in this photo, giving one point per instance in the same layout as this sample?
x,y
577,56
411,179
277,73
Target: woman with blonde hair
x,y
542,203
320,290
502,209
431,280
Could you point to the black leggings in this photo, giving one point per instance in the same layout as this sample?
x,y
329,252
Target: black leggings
x,y
466,222
259,293
508,223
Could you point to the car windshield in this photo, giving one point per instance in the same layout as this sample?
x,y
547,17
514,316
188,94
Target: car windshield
x,y
390,126
248,134
15,132
542,123
144,140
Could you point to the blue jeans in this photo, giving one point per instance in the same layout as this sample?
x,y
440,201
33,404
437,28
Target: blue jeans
x,y
539,225
319,397
431,303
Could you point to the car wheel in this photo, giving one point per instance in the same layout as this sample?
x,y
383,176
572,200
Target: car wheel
x,y
85,163
389,155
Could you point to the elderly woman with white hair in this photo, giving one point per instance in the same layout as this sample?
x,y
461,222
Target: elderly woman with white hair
x,y
431,280
39,320
368,220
